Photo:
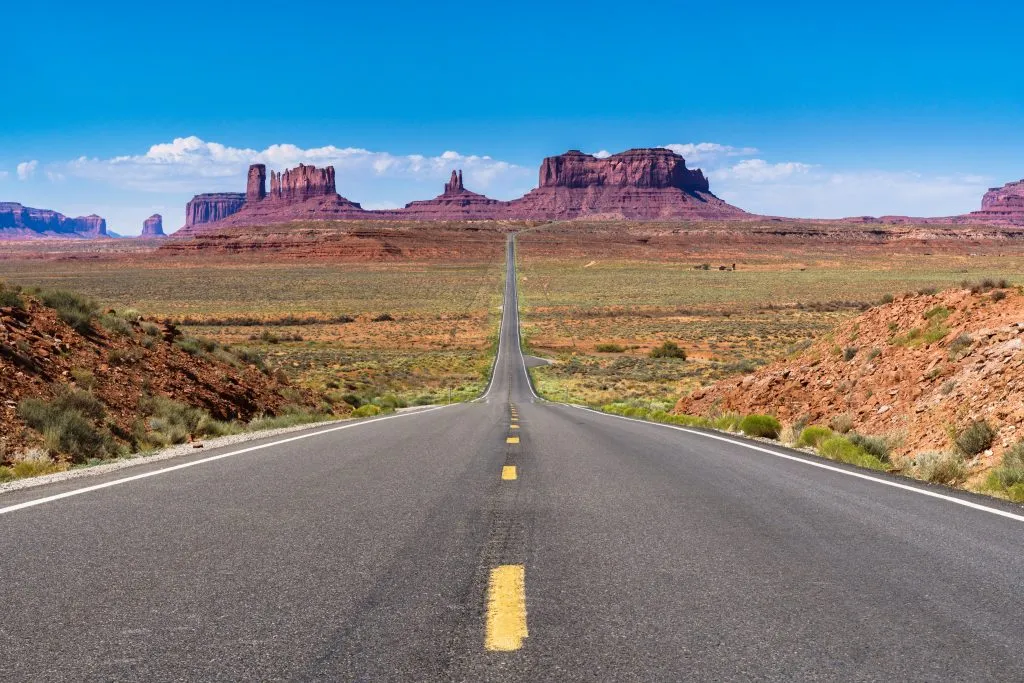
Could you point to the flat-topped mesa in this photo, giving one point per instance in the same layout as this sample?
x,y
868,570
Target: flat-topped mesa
x,y
640,168
212,207
639,184
256,185
1002,204
153,226
17,221
301,183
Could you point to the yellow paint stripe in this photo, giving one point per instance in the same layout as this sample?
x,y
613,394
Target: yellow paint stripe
x,y
506,608
508,472
512,439
513,426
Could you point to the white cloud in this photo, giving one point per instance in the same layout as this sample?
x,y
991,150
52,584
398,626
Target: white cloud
x,y
759,171
54,176
603,154
3,174
193,165
708,151
27,169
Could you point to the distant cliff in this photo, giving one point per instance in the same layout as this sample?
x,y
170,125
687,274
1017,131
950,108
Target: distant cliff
x,y
19,222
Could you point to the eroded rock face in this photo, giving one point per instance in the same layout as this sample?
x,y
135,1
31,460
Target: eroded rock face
x,y
208,208
17,221
1003,204
301,183
256,186
454,204
636,184
153,226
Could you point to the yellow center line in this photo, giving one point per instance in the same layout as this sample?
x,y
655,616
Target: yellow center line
x,y
512,439
508,473
513,426
506,608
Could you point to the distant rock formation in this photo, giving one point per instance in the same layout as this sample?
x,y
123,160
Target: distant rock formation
x,y
19,222
153,226
640,184
209,208
636,184
301,183
455,203
256,187
1003,204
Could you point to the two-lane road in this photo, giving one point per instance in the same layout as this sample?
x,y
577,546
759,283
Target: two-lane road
x,y
506,539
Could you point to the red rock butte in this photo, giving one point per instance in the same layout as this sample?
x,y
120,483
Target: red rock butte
x,y
636,185
1003,204
17,221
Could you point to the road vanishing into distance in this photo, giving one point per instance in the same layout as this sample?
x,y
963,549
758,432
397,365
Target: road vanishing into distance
x,y
507,539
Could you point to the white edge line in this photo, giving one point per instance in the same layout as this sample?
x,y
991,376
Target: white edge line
x,y
821,465
193,463
501,328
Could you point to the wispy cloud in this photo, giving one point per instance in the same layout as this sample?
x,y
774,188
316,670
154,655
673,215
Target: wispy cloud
x,y
27,169
192,164
704,152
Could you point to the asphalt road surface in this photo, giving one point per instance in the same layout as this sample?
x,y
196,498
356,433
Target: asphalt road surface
x,y
507,539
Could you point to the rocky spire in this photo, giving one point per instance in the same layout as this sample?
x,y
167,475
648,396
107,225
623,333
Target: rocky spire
x,y
256,187
454,186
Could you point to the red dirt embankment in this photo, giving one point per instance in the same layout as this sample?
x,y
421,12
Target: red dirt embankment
x,y
41,355
919,367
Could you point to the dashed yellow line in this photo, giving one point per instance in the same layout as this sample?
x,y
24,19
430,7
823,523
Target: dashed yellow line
x,y
513,426
506,608
508,473
512,439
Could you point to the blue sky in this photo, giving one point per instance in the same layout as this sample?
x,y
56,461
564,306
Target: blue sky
x,y
805,109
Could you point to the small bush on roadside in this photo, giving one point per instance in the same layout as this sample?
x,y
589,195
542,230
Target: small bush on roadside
x,y
761,425
730,422
1011,470
939,467
290,416
875,445
840,448
850,352
610,348
975,438
813,436
668,349
77,311
368,410
68,425
841,424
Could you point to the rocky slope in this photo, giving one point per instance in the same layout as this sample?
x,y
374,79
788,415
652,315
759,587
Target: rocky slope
x,y
917,368
17,221
119,360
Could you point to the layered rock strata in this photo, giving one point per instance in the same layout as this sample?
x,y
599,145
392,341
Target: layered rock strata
x,y
17,221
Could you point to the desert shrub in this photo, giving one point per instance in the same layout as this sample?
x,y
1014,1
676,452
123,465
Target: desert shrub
x,y
83,378
610,348
875,445
269,337
668,349
190,345
368,410
120,357
760,425
843,450
249,357
171,422
290,416
841,423
151,329
975,438
1011,470
873,354
384,318
960,345
813,436
228,358
77,311
730,422
116,325
997,295
68,425
850,352
939,467
35,465
389,402
10,298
